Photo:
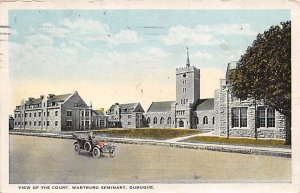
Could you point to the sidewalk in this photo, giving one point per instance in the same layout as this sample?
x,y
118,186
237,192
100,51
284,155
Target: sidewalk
x,y
176,142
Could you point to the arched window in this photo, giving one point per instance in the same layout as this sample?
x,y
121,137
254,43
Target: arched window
x,y
155,120
196,120
169,120
162,120
213,120
205,120
148,120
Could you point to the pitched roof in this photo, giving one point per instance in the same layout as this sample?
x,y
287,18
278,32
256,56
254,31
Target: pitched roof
x,y
100,112
162,106
205,104
34,101
129,107
57,98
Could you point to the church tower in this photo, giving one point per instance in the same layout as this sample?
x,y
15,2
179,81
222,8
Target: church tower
x,y
187,92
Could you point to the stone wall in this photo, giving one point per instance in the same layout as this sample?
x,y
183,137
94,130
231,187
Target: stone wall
x,y
225,102
159,115
210,114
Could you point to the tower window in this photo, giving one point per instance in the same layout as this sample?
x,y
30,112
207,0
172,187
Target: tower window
x,y
184,75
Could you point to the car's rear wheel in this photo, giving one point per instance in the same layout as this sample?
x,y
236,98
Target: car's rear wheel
x,y
87,146
76,148
96,152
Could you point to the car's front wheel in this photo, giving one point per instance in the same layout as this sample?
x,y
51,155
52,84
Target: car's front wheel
x,y
76,148
96,152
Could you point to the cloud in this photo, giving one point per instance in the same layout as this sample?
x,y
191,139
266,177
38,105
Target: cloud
x,y
188,36
205,34
88,30
39,40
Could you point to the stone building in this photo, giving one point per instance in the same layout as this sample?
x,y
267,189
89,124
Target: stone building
x,y
245,117
188,110
100,119
53,113
125,115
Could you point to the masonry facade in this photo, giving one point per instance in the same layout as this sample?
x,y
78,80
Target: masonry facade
x,y
125,115
245,117
188,110
53,113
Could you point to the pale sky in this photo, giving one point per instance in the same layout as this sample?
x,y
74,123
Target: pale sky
x,y
126,56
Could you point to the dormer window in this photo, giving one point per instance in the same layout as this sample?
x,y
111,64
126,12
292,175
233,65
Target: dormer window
x,y
184,75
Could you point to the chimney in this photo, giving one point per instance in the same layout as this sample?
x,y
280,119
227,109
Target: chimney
x,y
30,98
51,95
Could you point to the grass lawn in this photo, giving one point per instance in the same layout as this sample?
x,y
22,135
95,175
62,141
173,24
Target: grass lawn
x,y
147,133
239,141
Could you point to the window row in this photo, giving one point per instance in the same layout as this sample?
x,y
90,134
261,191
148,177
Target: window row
x,y
265,117
35,123
161,120
179,112
36,114
204,120
184,101
83,113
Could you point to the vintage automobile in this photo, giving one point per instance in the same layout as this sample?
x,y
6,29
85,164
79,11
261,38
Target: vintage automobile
x,y
96,146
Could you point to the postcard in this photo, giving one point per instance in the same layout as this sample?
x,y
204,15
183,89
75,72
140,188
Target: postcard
x,y
145,96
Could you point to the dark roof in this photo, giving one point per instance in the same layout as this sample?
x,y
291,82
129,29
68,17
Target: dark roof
x,y
99,112
205,104
163,106
57,98
34,101
129,107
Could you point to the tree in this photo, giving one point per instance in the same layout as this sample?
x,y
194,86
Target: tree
x,y
264,71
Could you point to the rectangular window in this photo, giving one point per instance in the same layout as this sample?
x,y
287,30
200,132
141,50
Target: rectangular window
x,y
29,114
48,114
69,113
25,114
44,114
82,122
69,123
56,113
239,117
40,114
243,117
271,117
34,123
75,104
87,113
56,123
34,114
235,117
15,123
30,123
129,116
25,122
40,123
82,113
48,123
261,117
86,123
15,115
129,123
19,115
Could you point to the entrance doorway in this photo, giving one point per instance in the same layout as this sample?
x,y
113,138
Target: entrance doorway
x,y
181,124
